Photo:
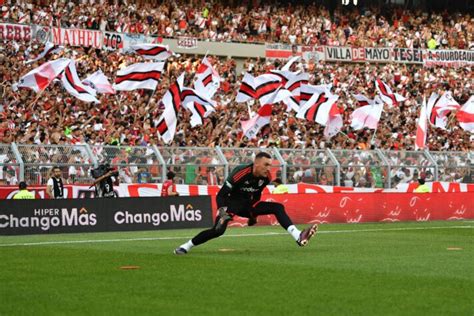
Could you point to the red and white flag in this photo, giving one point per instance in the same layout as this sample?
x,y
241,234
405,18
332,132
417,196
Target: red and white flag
x,y
308,90
198,104
152,51
432,114
252,127
386,93
318,107
363,100
39,78
169,118
74,86
466,115
422,127
262,88
445,104
290,62
139,76
334,123
99,82
366,116
207,79
292,81
49,49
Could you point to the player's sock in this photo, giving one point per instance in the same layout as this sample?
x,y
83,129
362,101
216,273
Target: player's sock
x,y
187,245
295,232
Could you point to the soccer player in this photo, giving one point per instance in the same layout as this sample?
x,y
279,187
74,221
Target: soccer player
x,y
240,195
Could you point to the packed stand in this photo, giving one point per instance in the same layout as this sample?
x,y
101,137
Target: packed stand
x,y
389,26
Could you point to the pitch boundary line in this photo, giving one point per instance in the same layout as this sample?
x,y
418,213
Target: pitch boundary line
x,y
91,241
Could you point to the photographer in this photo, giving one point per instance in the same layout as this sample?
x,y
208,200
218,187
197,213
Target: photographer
x,y
105,179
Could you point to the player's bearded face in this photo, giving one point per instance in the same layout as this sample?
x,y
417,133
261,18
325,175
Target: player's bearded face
x,y
262,167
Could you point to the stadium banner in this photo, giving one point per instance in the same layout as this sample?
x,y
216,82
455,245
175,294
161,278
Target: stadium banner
x,y
313,53
187,42
281,51
134,39
407,55
113,41
363,208
374,54
15,32
154,189
41,34
334,53
25,217
77,37
358,54
448,58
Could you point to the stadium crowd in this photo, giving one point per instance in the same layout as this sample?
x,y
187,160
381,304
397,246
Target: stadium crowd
x,y
130,118
248,21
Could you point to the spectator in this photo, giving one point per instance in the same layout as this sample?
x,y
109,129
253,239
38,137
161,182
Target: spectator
x,y
280,188
169,188
55,187
24,194
422,187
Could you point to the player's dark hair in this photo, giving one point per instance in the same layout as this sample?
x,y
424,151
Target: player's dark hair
x,y
56,167
22,185
170,175
263,155
277,181
421,181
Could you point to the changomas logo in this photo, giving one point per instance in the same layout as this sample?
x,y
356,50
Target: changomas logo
x,y
175,214
47,218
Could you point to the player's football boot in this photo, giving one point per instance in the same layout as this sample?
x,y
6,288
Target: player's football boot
x,y
180,251
306,235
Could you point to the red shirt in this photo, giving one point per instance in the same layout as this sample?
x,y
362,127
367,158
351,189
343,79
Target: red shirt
x,y
166,185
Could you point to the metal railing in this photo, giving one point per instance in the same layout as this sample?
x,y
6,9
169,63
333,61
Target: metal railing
x,y
212,165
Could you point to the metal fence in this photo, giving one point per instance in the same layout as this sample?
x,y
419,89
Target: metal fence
x,y
206,165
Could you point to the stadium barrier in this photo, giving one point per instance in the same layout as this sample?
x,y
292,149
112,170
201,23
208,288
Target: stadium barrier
x,y
205,165
25,217
372,207
154,190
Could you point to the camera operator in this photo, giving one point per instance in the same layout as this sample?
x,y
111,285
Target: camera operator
x,y
105,179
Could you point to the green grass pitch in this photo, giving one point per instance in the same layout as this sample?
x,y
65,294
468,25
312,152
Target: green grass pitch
x,y
356,269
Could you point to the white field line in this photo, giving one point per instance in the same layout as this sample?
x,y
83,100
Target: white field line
x,y
91,241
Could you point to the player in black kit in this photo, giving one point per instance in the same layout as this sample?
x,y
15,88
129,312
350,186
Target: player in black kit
x,y
240,195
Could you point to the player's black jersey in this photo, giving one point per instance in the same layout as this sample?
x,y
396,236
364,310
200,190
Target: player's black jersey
x,y
242,186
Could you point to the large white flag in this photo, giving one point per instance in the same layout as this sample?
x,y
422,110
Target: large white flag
x,y
422,127
318,107
172,101
292,81
252,126
198,104
308,90
386,93
334,123
466,115
262,88
139,76
39,78
366,116
99,82
152,51
207,79
362,99
74,86
446,104
49,49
